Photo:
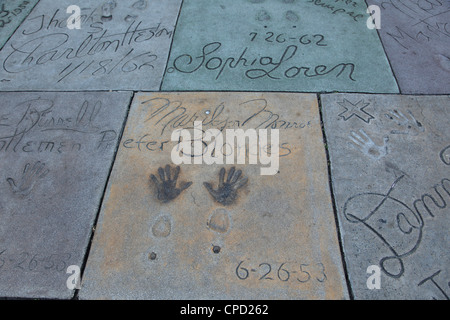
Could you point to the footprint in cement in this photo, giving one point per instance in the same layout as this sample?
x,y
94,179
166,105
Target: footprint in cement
x,y
107,9
444,61
262,15
140,5
291,16
130,18
219,221
162,226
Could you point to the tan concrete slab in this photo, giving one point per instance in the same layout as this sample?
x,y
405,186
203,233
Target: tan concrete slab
x,y
184,237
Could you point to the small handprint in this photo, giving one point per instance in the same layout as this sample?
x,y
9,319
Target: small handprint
x,y
166,188
406,125
226,192
30,175
366,145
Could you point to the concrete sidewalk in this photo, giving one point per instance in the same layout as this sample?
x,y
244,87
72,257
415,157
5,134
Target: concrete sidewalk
x,y
351,201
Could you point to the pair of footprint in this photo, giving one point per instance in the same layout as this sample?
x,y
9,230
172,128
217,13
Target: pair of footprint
x,y
263,15
225,194
110,5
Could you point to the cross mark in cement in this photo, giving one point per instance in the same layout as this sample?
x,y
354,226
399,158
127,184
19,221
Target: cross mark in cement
x,y
355,110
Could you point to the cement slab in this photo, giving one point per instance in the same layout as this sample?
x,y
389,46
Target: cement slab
x,y
390,174
274,45
121,45
416,37
56,151
208,231
12,13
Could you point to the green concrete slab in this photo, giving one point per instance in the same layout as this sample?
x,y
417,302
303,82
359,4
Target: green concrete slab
x,y
120,45
12,13
202,232
274,45
390,158
56,151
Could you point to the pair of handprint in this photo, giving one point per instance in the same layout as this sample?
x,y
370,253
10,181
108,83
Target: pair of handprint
x,y
225,194
405,125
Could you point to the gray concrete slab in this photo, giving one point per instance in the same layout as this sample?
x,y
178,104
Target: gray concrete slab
x,y
274,45
56,150
121,45
12,13
391,182
252,237
416,37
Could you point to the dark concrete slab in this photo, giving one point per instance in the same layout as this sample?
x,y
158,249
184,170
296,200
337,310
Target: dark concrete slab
x,y
56,150
274,45
12,13
416,37
254,237
390,173
121,45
